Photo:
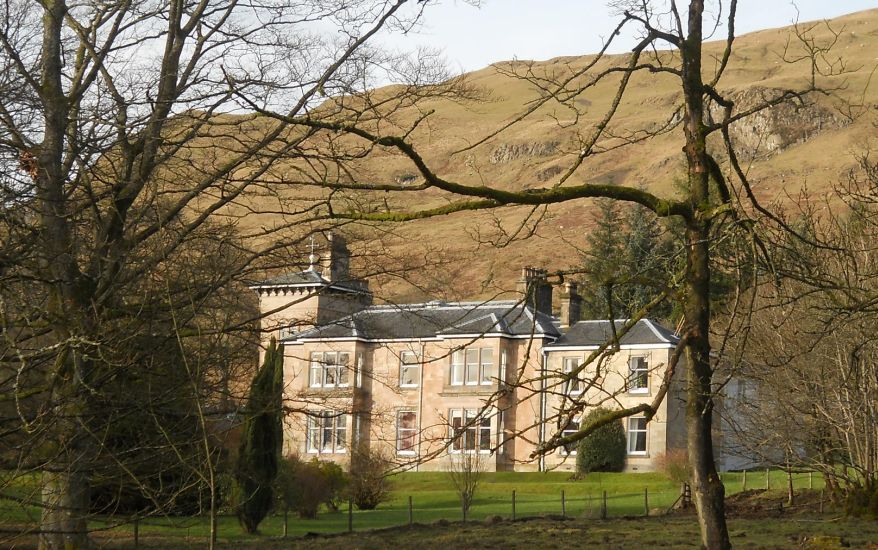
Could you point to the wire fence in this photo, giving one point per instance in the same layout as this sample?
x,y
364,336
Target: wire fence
x,y
492,505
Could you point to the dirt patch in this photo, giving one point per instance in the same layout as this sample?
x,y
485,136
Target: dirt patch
x,y
759,503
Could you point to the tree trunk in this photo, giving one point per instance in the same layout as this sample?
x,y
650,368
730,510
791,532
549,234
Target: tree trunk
x,y
707,489
65,504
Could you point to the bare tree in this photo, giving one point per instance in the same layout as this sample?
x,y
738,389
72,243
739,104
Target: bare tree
x,y
809,351
119,152
466,470
714,200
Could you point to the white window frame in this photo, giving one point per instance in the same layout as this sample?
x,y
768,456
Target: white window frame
x,y
325,364
405,366
638,371
571,429
568,365
471,439
473,367
633,431
321,423
404,433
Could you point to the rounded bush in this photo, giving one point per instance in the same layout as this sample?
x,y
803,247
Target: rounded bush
x,y
604,449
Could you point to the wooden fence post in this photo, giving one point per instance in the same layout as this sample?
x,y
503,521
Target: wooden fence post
x,y
646,501
810,480
513,505
744,487
767,479
286,521
820,509
411,512
351,515
604,506
136,531
563,505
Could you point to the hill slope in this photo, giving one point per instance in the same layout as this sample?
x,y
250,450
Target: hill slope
x,y
811,145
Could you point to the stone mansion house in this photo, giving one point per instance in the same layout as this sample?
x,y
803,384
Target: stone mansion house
x,y
426,382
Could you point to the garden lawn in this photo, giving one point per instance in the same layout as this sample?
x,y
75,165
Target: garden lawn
x,y
433,498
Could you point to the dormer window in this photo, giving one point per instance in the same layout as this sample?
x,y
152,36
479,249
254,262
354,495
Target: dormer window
x,y
329,369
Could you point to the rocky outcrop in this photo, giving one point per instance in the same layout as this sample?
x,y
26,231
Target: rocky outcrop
x,y
506,152
772,130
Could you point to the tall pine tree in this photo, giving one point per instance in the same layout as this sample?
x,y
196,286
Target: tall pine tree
x,y
625,254
262,441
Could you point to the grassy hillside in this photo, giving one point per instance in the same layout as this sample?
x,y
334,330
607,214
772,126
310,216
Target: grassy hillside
x,y
807,146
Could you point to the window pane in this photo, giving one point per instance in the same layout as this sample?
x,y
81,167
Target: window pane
x,y
470,439
409,369
327,435
316,374
487,369
638,373
313,434
407,431
571,429
485,434
340,432
571,364
472,366
342,375
636,435
329,375
456,423
457,368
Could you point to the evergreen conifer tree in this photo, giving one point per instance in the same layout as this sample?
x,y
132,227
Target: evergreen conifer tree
x,y
262,441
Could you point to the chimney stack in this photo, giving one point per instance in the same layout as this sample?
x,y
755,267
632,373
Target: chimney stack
x,y
571,305
536,289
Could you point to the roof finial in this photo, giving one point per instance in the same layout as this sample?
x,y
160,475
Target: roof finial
x,y
312,259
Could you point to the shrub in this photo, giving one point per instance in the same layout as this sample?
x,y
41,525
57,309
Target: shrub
x,y
301,487
604,449
862,501
674,464
466,471
369,483
337,482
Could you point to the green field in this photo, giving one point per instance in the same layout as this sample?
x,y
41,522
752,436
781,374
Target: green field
x,y
537,494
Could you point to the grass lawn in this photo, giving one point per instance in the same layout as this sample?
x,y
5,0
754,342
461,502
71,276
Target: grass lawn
x,y
537,494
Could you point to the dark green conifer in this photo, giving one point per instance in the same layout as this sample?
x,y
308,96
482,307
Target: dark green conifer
x,y
262,441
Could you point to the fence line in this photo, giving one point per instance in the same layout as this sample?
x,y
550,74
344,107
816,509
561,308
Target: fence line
x,y
595,504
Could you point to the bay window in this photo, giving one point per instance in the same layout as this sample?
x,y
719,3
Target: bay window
x,y
468,433
326,432
472,367
329,369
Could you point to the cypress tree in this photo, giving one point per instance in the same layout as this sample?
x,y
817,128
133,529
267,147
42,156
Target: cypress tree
x,y
262,441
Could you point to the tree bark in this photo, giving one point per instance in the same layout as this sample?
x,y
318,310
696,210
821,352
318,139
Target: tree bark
x,y
708,490
65,503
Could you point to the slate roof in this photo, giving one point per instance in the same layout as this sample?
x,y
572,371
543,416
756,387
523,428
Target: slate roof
x,y
302,277
309,277
595,333
435,319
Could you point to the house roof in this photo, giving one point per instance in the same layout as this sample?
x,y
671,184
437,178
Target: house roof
x,y
435,320
595,333
310,278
